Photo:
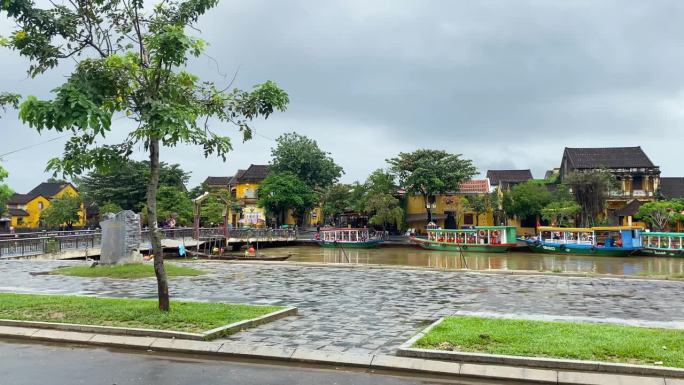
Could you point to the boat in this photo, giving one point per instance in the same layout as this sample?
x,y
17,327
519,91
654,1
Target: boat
x,y
662,244
354,238
618,241
483,239
239,257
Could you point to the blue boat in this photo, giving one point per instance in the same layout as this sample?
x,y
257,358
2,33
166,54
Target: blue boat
x,y
605,241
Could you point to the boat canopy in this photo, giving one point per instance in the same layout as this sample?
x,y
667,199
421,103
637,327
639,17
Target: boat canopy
x,y
629,236
478,235
663,240
345,235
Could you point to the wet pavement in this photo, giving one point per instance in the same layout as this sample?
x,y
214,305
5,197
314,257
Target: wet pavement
x,y
363,310
34,364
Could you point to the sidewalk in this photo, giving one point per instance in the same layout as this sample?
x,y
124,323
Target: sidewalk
x,y
231,349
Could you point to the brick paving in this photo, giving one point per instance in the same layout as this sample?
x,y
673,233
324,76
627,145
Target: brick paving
x,y
366,310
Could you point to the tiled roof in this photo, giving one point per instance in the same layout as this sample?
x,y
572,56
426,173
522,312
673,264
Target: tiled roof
x,y
254,173
217,180
630,209
607,157
475,186
671,188
49,189
498,176
17,212
19,199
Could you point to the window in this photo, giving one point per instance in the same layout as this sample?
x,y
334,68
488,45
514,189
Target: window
x,y
468,219
40,205
250,193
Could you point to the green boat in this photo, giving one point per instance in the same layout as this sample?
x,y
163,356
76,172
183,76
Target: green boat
x,y
603,241
347,238
481,239
662,244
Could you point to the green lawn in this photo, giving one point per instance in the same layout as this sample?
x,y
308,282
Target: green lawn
x,y
582,341
126,271
137,313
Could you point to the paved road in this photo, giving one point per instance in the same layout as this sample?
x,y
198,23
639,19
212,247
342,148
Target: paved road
x,y
363,310
32,364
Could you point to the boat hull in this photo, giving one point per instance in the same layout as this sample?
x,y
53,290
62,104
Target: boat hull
x,y
446,246
350,245
559,249
662,252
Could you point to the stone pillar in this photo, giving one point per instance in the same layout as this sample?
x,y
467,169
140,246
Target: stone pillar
x,y
646,180
120,239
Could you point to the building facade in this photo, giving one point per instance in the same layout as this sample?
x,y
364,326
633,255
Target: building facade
x,y
25,209
638,179
449,210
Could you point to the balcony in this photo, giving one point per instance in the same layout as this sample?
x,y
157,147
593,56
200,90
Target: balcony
x,y
630,194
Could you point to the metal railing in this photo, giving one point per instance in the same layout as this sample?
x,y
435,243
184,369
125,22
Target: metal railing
x,y
54,242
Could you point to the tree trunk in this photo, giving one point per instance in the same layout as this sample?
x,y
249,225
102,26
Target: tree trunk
x,y
155,235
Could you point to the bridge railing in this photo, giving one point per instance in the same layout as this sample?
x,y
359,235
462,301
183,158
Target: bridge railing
x,y
22,246
261,233
19,246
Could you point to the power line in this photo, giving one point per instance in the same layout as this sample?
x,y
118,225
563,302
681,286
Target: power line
x,y
34,145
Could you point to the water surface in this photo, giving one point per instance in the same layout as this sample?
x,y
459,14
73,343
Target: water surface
x,y
413,256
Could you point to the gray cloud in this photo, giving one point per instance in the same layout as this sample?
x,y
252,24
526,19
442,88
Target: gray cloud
x,y
508,84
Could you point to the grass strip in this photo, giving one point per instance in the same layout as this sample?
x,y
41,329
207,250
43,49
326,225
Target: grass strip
x,y
127,271
570,340
191,317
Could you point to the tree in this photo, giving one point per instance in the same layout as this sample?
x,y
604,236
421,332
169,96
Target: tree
x,y
431,172
126,185
109,207
384,209
174,203
336,199
129,61
5,191
560,212
302,157
590,190
660,214
282,191
526,199
63,210
216,206
481,204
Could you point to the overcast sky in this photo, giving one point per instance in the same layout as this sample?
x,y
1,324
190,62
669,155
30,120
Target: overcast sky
x,y
508,84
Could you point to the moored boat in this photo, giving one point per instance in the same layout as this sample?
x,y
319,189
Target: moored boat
x,y
662,244
484,239
347,238
606,241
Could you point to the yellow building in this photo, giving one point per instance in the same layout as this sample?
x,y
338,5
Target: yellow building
x,y
448,210
244,189
25,209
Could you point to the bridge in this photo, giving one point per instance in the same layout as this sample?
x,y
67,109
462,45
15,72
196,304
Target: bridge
x,y
86,243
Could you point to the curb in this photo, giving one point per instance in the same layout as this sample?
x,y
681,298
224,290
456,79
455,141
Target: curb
x,y
406,350
203,336
232,349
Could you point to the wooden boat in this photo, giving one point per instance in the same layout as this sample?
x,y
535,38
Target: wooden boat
x,y
605,241
662,244
347,238
238,256
483,239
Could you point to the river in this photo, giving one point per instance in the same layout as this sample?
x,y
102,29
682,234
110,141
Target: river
x,y
512,261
